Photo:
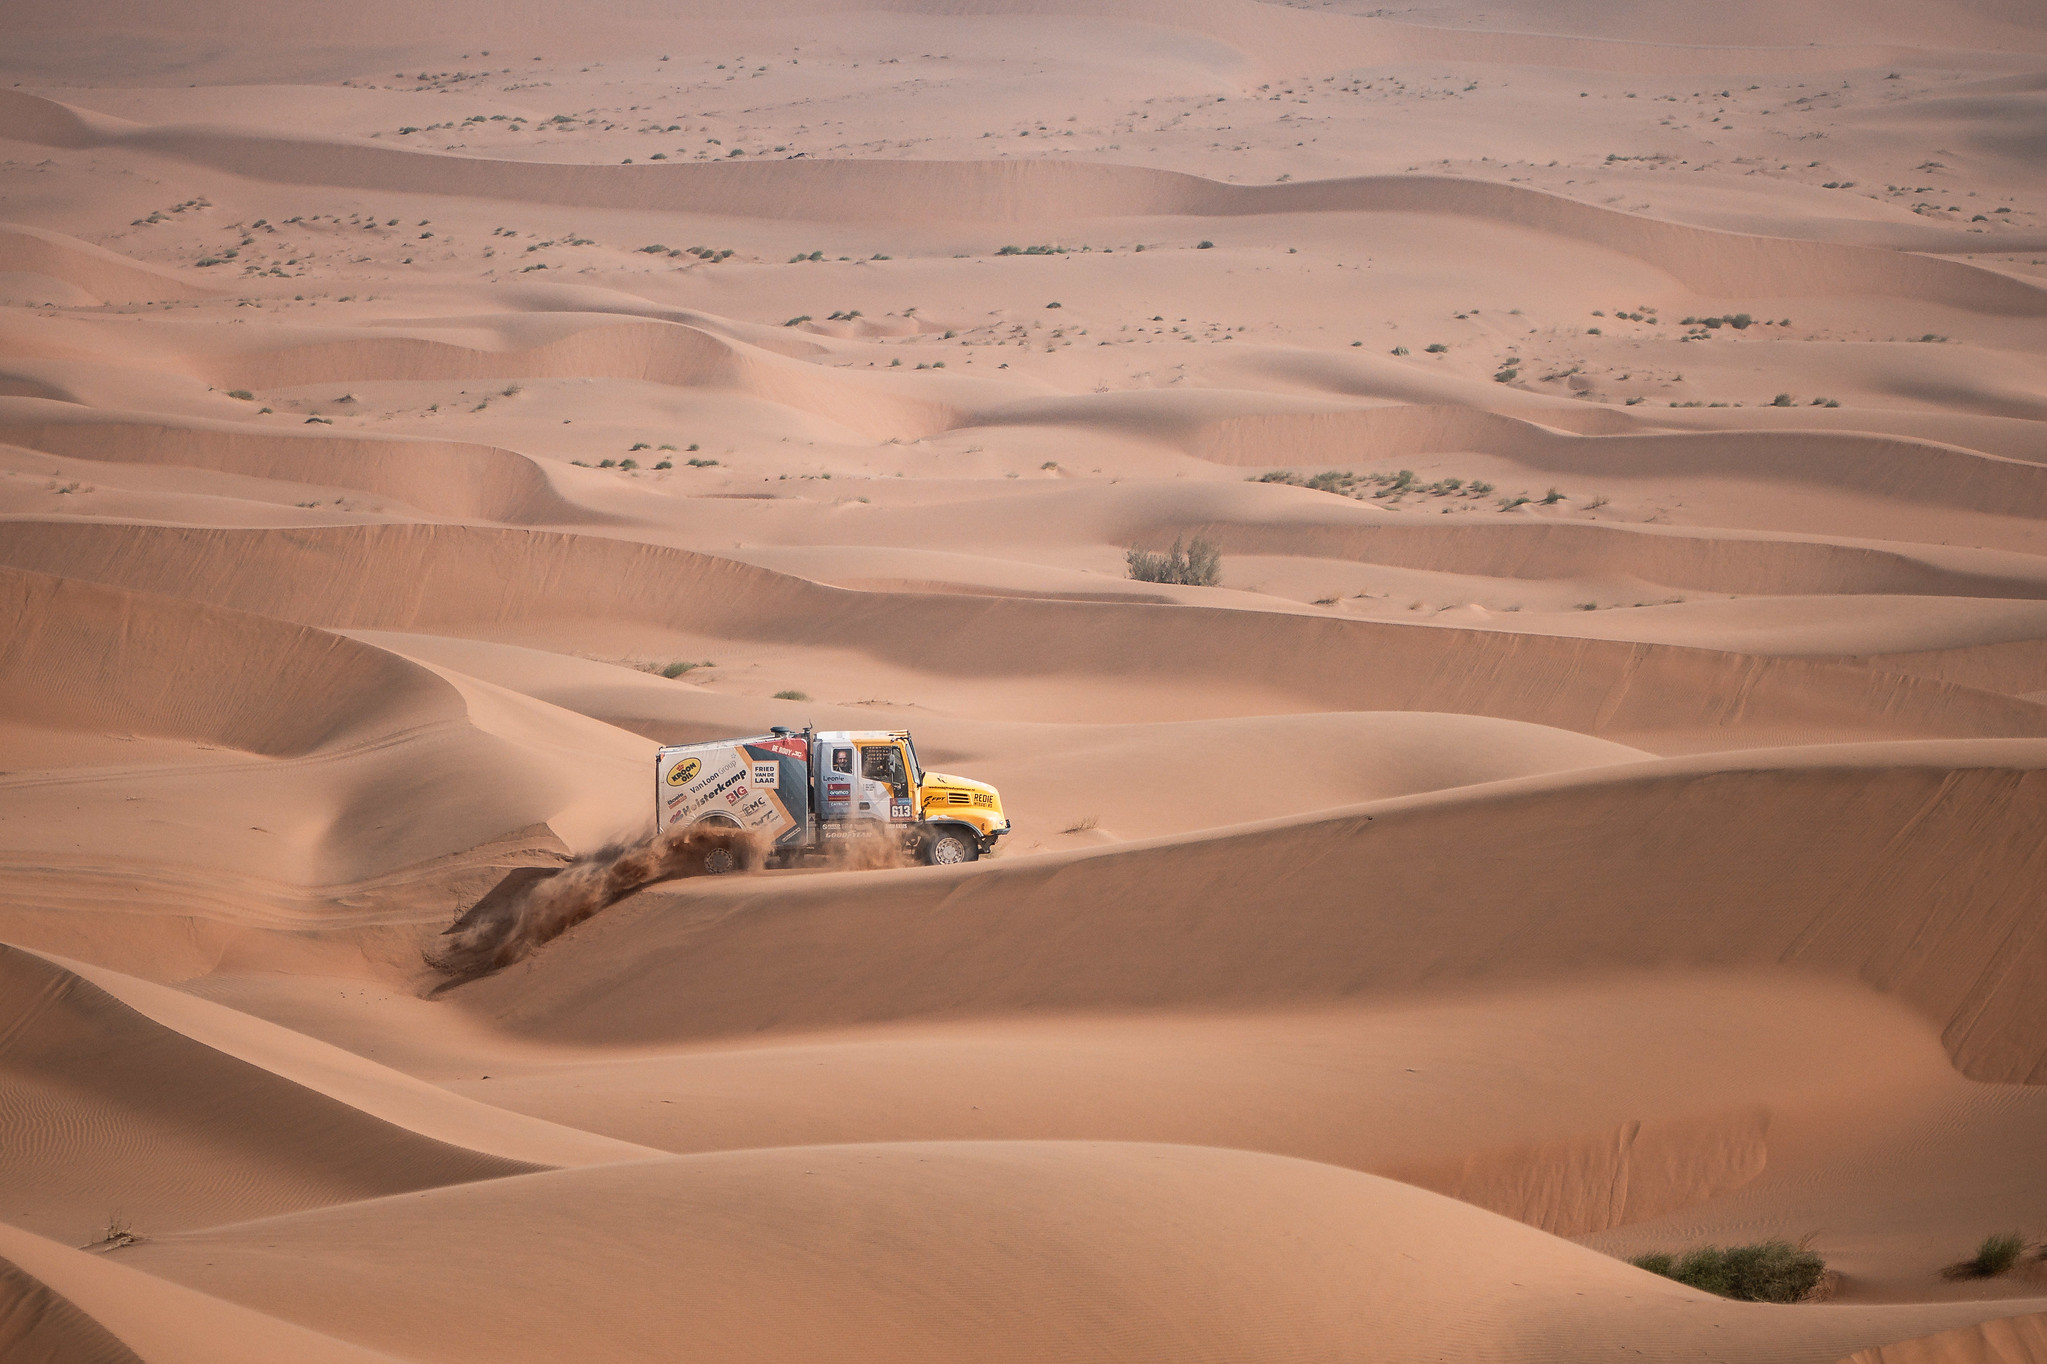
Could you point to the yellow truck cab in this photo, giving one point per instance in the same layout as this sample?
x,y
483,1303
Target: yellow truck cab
x,y
803,791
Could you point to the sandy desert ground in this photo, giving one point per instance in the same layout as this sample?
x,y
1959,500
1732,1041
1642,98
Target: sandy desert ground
x,y
1473,891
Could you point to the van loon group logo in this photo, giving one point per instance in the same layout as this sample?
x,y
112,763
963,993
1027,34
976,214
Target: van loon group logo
x,y
684,771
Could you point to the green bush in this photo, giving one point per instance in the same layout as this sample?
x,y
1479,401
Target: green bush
x,y
1995,1256
1765,1271
792,695
1195,565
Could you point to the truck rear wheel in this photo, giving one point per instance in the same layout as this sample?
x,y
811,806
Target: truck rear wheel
x,y
950,846
721,857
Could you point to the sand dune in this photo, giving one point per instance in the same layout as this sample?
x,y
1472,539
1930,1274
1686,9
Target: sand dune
x,y
1456,895
1837,860
446,478
2020,1340
149,1318
1921,472
83,656
1019,1249
38,1326
110,1114
100,274
1035,190
452,580
655,352
1629,1142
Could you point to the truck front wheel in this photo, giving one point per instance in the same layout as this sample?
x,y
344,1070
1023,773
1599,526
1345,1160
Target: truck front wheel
x,y
951,845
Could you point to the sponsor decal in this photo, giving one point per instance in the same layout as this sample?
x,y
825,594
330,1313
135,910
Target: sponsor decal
x,y
838,790
767,774
684,771
901,809
735,795
788,748
678,798
758,805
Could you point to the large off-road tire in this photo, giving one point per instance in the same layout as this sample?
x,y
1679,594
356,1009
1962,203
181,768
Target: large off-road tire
x,y
949,845
720,858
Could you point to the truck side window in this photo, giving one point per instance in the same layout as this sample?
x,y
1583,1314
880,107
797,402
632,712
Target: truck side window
x,y
884,763
842,760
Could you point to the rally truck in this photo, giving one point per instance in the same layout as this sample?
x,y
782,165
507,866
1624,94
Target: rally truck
x,y
801,792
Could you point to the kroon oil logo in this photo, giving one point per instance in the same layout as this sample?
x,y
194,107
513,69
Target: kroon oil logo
x,y
684,771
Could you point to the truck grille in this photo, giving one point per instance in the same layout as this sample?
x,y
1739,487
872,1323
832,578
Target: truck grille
x,y
958,798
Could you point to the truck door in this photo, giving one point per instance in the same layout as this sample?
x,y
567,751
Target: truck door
x,y
885,783
836,782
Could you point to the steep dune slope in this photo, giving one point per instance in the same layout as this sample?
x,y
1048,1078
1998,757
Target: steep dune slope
x,y
2008,1340
107,1112
102,275
1913,867
1001,1250
83,656
1574,1107
446,478
41,1326
152,1319
457,580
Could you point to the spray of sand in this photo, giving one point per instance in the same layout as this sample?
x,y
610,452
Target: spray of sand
x,y
504,927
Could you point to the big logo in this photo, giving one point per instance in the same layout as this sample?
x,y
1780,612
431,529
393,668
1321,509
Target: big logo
x,y
684,771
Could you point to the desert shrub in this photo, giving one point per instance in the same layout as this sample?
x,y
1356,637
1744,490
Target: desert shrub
x,y
666,464
1438,348
1397,350
1764,1271
792,695
1204,246
1995,1256
241,393
1195,565
678,669
1781,400
628,464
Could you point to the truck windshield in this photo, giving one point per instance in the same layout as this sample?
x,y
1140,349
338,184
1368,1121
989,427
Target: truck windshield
x,y
884,763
